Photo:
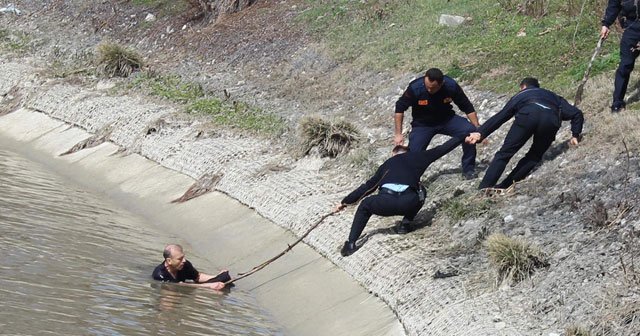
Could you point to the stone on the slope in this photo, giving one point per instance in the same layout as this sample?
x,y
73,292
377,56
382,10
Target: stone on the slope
x,y
450,20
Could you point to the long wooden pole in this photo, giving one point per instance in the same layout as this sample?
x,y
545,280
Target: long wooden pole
x,y
289,247
578,97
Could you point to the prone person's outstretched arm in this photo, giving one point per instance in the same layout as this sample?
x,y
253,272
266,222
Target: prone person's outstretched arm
x,y
426,158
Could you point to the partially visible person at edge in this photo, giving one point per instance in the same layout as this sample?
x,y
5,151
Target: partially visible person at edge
x,y
627,13
176,268
399,193
430,98
538,113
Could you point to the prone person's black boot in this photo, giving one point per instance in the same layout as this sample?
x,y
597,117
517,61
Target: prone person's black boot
x,y
348,249
404,226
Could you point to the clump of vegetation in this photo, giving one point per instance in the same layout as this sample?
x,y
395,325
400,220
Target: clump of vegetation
x,y
238,115
515,259
171,87
115,60
577,331
14,41
175,89
459,208
331,139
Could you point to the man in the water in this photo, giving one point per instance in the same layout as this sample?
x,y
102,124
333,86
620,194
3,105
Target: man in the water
x,y
176,268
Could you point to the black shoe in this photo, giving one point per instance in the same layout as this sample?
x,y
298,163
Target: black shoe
x,y
617,108
470,175
403,228
348,249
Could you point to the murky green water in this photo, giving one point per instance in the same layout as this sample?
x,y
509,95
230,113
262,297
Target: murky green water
x,y
72,263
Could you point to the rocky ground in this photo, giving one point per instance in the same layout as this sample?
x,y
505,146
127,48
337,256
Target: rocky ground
x,y
579,207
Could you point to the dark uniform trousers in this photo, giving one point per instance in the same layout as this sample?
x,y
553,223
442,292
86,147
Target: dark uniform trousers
x,y
457,126
628,54
406,203
405,169
532,120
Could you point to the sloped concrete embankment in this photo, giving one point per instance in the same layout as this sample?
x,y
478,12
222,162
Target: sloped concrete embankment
x,y
305,293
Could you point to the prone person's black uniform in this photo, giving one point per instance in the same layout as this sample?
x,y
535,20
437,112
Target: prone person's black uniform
x,y
626,11
401,169
538,113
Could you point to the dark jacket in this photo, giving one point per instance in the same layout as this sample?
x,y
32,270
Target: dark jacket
x,y
526,102
406,168
188,272
433,109
625,10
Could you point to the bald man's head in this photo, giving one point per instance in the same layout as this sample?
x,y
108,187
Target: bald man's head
x,y
170,249
174,257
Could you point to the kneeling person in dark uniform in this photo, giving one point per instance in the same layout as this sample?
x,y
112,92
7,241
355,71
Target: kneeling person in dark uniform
x,y
399,181
538,113
176,268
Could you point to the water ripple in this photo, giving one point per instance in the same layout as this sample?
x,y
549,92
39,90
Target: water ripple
x,y
75,264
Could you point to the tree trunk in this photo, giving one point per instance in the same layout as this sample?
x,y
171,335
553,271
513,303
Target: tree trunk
x,y
221,7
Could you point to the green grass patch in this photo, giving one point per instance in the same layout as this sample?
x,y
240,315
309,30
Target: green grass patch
x,y
238,115
487,50
170,87
194,98
15,41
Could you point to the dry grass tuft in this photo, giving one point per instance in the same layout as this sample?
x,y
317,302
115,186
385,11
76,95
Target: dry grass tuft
x,y
514,258
117,61
330,139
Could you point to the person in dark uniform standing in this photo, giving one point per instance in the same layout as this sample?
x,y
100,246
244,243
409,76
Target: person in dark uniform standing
x,y
627,13
430,98
399,190
538,113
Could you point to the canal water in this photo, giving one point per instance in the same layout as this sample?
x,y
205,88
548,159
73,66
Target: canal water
x,y
74,263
